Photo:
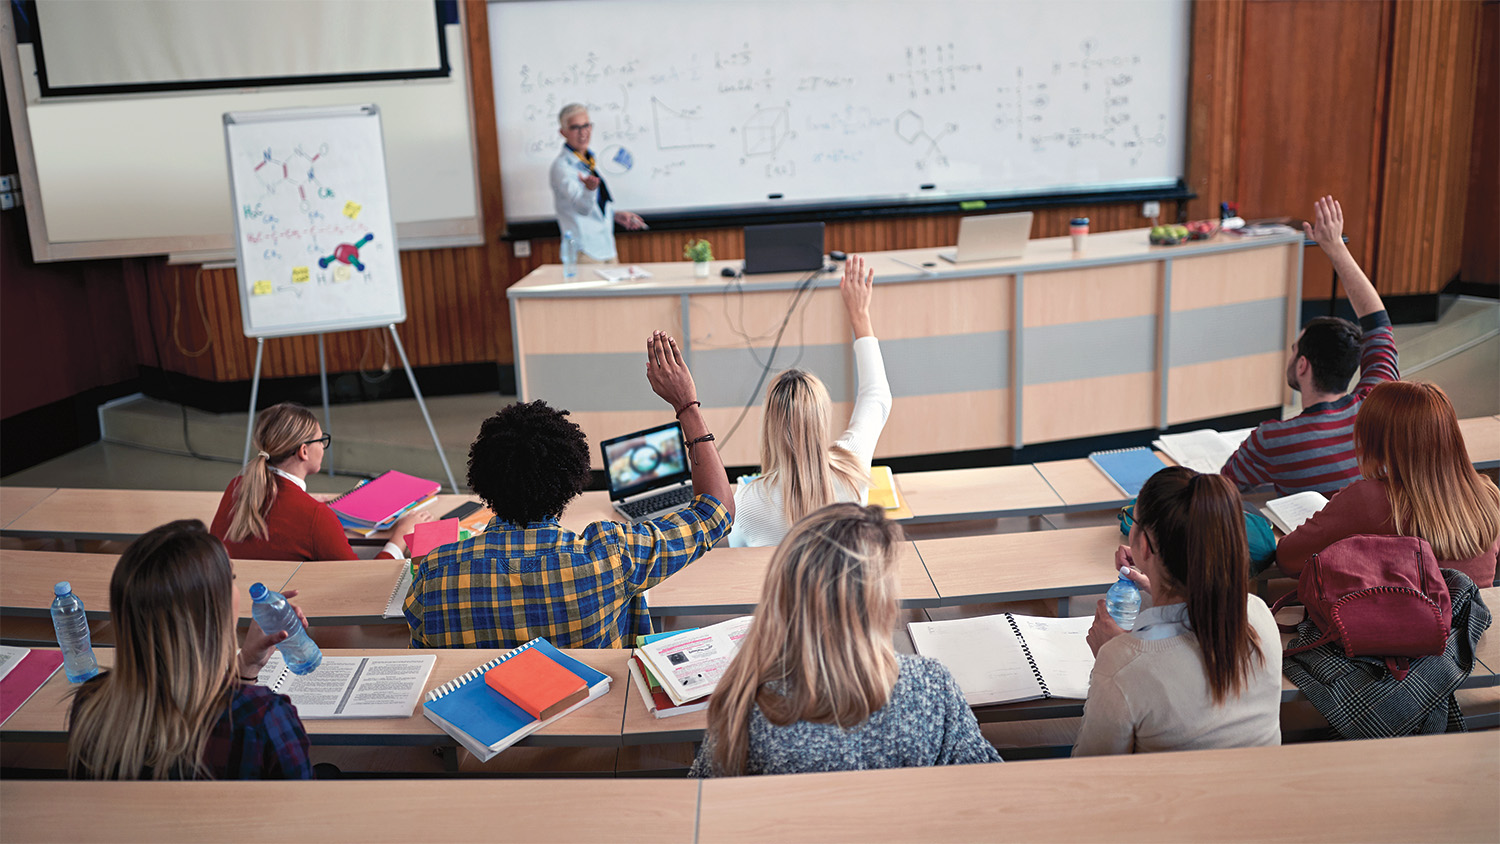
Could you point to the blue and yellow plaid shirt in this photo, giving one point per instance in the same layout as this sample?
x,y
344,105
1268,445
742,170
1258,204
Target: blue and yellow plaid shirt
x,y
510,584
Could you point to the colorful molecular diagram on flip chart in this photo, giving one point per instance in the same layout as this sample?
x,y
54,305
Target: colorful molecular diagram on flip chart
x,y
316,238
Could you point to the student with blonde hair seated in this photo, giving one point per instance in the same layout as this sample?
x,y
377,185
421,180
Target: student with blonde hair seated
x,y
180,703
801,469
816,684
1202,667
1416,481
266,513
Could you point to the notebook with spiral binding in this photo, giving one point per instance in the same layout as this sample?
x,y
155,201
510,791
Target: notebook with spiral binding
x,y
1009,658
380,501
1128,468
484,721
352,686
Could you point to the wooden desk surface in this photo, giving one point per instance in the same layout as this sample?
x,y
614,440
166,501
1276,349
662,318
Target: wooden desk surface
x,y
27,577
954,494
43,717
112,513
1022,566
1406,789
1482,438
401,811
338,592
1080,484
16,500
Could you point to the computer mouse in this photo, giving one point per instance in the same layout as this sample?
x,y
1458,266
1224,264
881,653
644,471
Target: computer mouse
x,y
836,255
728,272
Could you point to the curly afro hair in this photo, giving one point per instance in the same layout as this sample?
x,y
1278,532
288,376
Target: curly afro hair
x,y
528,462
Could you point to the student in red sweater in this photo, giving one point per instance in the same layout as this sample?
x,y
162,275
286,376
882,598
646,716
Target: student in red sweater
x,y
266,513
1417,481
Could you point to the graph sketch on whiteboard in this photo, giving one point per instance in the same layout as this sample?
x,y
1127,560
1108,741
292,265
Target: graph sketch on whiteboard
x,y
676,128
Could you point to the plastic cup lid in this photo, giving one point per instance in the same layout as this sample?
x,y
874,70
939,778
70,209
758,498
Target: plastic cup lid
x,y
62,589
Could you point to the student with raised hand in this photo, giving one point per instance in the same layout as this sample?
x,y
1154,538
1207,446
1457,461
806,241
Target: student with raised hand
x,y
266,513
1314,450
525,575
179,702
1202,667
801,469
816,684
1416,481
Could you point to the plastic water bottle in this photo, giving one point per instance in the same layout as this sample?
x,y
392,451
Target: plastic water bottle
x,y
1123,600
274,614
569,255
73,634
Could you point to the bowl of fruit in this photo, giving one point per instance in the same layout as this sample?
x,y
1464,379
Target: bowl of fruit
x,y
1202,229
1170,235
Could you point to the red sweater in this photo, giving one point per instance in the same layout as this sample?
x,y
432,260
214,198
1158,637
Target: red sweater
x,y
299,527
1364,507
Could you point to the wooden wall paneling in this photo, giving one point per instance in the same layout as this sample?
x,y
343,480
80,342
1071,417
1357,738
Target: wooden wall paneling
x,y
1481,244
1213,101
1434,76
1311,118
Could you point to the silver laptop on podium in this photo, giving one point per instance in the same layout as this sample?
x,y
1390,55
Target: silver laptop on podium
x,y
648,472
990,237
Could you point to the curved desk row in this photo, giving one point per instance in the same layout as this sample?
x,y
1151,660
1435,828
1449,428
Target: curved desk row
x,y
1407,789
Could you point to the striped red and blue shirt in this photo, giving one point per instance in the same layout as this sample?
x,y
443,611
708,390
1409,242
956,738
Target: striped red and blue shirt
x,y
1314,450
512,583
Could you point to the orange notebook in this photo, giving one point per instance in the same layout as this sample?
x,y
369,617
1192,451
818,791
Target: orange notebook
x,y
537,684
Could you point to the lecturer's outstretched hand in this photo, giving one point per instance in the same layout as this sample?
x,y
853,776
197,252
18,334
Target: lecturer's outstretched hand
x,y
857,288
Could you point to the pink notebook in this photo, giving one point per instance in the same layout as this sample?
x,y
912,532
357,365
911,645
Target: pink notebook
x,y
30,674
429,535
384,497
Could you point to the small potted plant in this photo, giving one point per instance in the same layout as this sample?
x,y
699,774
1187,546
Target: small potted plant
x,y
700,252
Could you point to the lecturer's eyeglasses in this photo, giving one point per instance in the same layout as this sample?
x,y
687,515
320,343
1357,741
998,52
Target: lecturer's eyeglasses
x,y
579,127
326,440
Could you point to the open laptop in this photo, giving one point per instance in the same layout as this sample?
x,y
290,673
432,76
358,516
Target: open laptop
x,y
990,237
783,248
648,472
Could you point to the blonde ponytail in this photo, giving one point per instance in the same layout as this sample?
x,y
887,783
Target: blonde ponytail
x,y
279,431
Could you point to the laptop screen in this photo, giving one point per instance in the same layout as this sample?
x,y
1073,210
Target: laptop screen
x,y
783,248
645,460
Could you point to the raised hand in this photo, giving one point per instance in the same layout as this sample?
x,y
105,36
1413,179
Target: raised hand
x,y
857,288
1327,227
668,372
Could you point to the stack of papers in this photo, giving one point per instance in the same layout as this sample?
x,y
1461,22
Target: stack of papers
x,y
690,664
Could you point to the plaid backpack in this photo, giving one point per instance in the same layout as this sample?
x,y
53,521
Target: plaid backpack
x,y
1379,596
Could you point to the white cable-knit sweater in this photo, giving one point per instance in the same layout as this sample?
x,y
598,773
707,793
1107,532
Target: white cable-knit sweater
x,y
759,514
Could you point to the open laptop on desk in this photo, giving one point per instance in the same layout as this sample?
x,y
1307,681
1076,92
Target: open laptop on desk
x,y
648,472
990,237
783,248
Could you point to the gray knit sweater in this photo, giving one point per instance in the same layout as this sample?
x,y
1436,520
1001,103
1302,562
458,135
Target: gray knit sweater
x,y
924,722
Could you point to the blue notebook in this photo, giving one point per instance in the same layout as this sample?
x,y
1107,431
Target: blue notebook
x,y
1128,468
484,721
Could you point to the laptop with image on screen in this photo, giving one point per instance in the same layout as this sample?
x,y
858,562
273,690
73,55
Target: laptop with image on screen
x,y
990,237
648,472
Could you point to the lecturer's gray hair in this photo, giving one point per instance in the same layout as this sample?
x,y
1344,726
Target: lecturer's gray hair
x,y
568,111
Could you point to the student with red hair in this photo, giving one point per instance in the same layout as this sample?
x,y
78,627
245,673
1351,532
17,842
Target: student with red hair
x,y
1416,481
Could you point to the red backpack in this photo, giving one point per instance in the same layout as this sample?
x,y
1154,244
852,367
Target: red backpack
x,y
1380,596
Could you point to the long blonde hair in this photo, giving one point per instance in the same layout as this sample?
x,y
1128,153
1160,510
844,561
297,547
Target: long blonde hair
x,y
797,452
279,431
171,600
821,634
1406,435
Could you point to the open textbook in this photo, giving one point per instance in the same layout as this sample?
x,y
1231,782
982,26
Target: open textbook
x,y
352,686
1009,658
1288,513
1204,450
691,663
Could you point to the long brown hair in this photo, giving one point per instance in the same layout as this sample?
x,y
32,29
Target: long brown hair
x,y
821,634
797,452
1407,437
171,599
1197,530
279,431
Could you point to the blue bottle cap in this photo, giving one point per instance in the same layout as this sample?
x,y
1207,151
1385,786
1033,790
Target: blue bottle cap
x,y
258,591
62,589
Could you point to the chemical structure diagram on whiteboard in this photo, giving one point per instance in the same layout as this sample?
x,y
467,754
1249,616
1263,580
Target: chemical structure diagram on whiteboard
x,y
302,226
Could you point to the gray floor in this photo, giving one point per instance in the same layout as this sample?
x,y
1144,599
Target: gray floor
x,y
147,442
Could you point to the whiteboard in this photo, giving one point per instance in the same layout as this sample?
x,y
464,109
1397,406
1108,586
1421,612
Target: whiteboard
x,y
700,105
315,242
144,174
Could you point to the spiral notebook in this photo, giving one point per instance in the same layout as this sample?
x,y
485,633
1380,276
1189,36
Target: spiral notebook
x,y
383,499
1009,658
484,721
352,686
1128,468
